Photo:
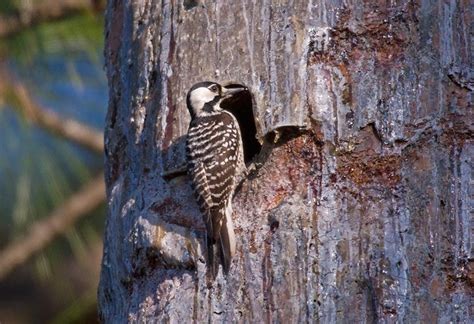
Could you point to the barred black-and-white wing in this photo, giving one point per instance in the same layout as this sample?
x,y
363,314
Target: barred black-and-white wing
x,y
215,160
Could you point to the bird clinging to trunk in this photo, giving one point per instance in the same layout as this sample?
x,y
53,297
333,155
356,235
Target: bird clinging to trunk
x,y
215,164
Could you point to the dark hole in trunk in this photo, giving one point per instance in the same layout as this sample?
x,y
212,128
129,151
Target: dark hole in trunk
x,y
241,106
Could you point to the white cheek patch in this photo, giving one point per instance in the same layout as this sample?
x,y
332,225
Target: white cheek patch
x,y
200,96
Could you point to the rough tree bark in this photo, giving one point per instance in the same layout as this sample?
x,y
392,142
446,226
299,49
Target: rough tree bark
x,y
361,207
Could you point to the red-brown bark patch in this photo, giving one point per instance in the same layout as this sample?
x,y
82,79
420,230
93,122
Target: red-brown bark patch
x,y
377,169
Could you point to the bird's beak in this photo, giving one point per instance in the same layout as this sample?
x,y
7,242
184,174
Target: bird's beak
x,y
229,92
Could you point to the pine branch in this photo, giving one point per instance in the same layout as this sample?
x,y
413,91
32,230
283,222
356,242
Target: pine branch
x,y
57,223
31,13
52,122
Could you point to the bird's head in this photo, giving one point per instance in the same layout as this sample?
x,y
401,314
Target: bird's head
x,y
204,98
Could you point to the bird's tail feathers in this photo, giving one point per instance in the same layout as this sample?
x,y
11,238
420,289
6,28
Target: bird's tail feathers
x,y
221,239
227,239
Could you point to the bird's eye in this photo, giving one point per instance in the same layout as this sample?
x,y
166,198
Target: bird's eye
x,y
213,88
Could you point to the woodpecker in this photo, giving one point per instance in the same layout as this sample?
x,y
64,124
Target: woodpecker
x,y
215,165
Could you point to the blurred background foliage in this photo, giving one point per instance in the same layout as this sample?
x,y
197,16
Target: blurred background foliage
x,y
54,52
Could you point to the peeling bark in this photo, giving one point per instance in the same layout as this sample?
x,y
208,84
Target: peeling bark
x,y
361,206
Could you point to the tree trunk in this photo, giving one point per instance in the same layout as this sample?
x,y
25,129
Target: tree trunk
x,y
360,208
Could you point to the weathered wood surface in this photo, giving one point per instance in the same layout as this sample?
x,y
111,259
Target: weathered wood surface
x,y
364,217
